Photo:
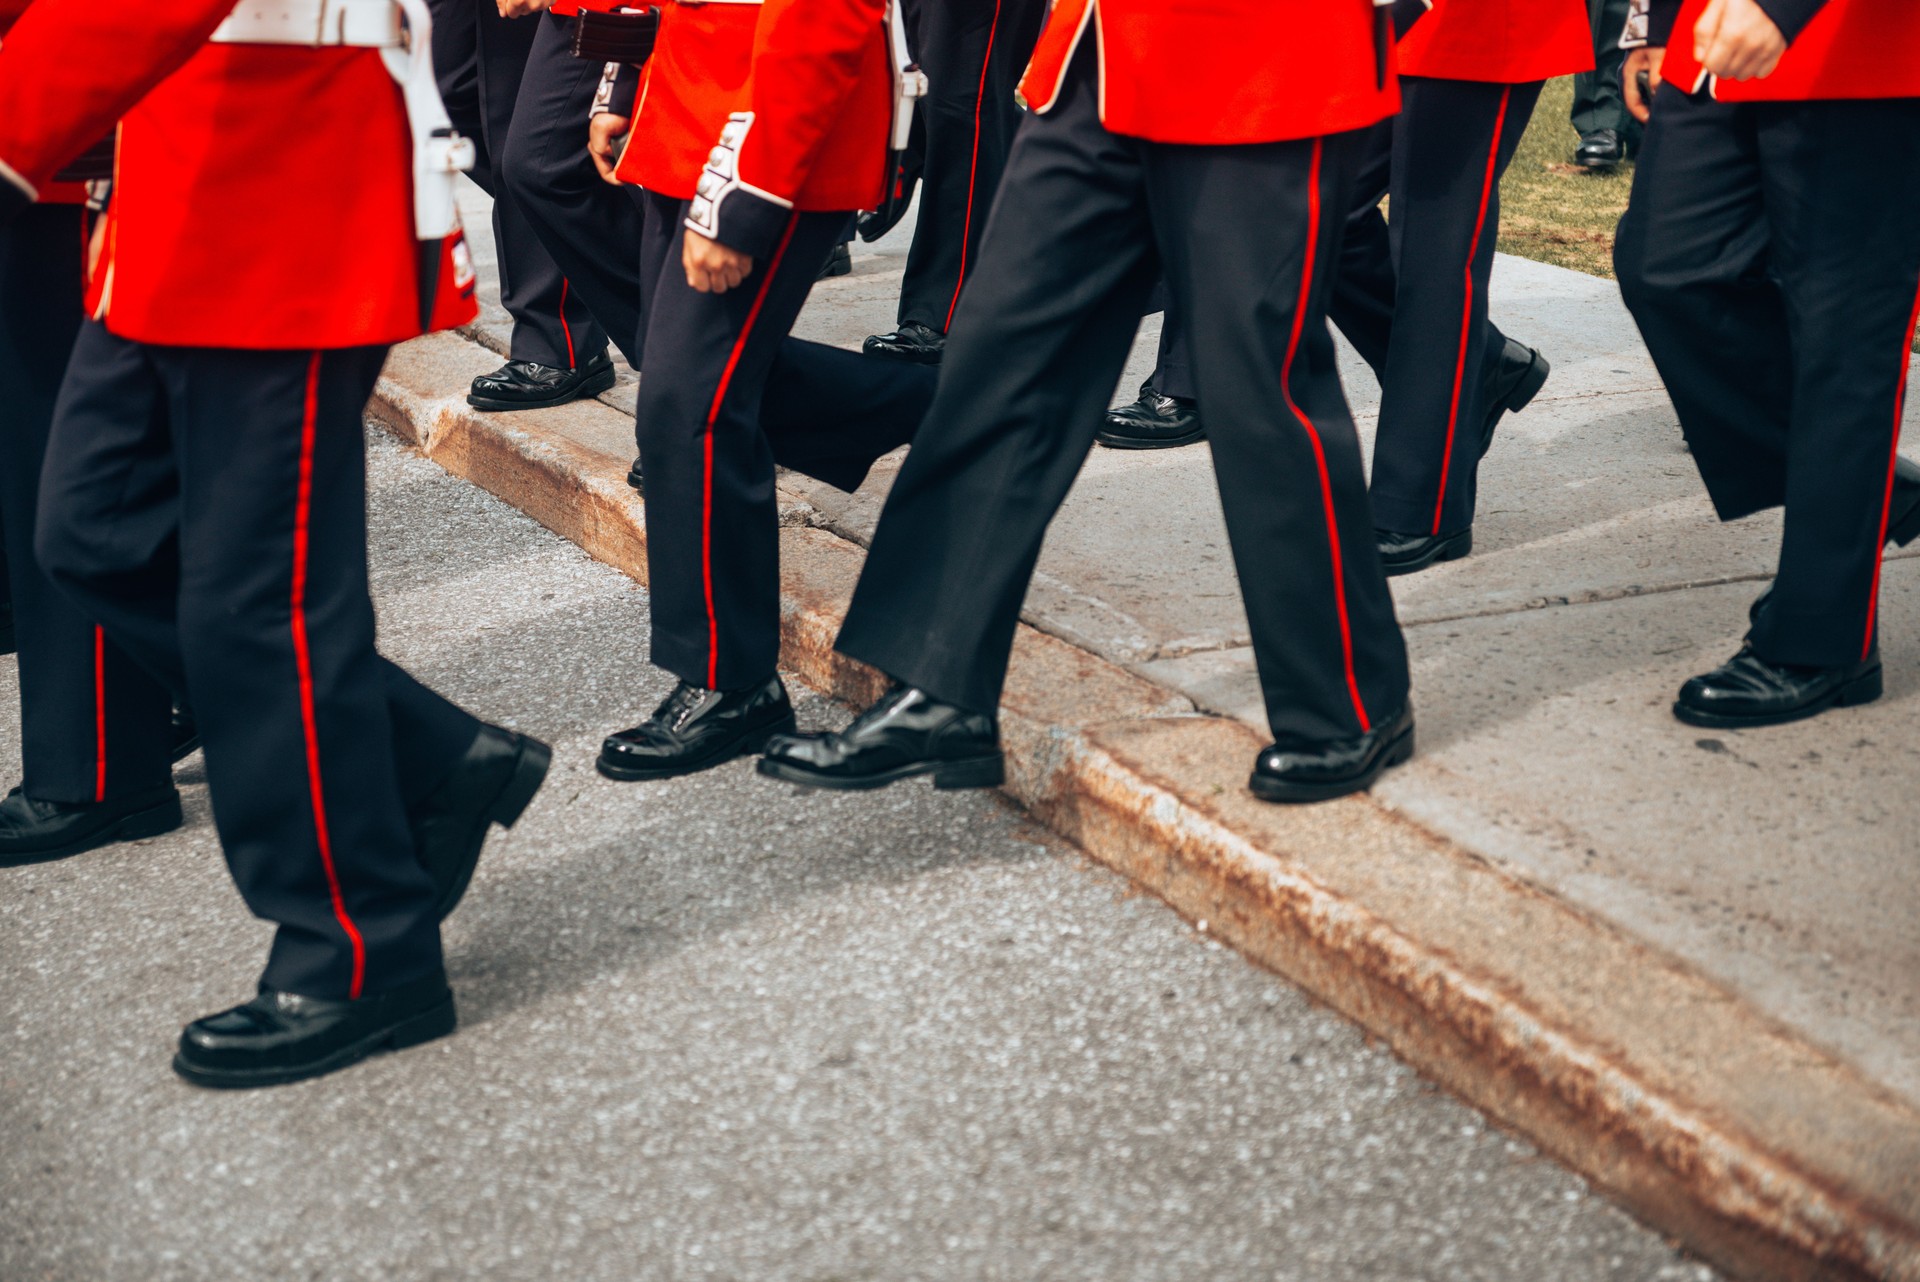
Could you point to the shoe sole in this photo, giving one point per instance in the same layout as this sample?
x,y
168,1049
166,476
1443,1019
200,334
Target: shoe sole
x,y
1864,688
948,776
1139,443
753,743
181,751
1448,550
427,1026
904,357
154,821
516,794
1398,753
599,383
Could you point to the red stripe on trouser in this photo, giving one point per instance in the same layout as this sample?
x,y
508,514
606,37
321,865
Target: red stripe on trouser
x,y
1466,311
713,416
973,174
99,714
303,661
565,330
1313,434
1893,458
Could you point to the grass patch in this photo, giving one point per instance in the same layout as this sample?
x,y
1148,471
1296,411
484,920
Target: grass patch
x,y
1551,210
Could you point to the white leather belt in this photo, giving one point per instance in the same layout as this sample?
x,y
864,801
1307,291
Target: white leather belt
x,y
316,24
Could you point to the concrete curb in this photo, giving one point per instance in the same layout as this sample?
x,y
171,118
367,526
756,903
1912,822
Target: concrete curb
x,y
1757,1149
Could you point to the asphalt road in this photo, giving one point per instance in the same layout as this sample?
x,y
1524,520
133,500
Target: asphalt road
x,y
718,1028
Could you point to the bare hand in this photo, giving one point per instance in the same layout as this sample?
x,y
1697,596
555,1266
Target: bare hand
x,y
604,133
713,268
1736,40
1647,58
521,8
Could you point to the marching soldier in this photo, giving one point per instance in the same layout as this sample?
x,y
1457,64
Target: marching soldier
x,y
972,52
1411,294
1771,258
204,493
95,729
799,95
485,54
1234,187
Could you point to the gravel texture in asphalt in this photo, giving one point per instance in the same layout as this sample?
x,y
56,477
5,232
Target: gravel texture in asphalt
x,y
721,1028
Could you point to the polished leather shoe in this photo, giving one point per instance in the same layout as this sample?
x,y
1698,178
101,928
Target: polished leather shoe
x,y
1515,378
839,262
7,642
1299,772
525,385
492,784
920,344
1903,520
33,831
1748,690
907,733
1406,553
1153,422
185,732
1600,149
281,1037
635,478
698,729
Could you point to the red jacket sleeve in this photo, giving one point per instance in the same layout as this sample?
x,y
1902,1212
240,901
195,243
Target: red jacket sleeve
x,y
69,69
807,59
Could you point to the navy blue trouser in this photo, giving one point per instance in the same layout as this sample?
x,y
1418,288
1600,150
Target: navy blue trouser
x,y
480,61
973,52
1771,258
208,507
93,725
586,226
1086,222
726,396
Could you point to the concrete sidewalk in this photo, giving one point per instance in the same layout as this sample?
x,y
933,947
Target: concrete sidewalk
x,y
1685,961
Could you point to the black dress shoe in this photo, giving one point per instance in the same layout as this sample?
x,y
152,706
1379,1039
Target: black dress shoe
x,y
283,1037
920,344
907,733
698,729
1153,422
525,385
1297,772
1903,520
1406,553
1512,382
634,477
186,734
33,832
7,643
1600,149
839,262
492,784
1747,690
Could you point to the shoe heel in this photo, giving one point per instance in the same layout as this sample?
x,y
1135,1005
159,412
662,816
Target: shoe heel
x,y
981,772
1864,688
1457,550
1906,530
528,774
152,822
424,1027
1536,378
1402,752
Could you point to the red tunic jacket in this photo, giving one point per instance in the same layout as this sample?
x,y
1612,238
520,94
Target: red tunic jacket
x,y
1228,71
1509,42
787,103
1840,49
264,193
50,193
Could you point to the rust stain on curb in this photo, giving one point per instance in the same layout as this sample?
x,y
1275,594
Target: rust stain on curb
x,y
1498,991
